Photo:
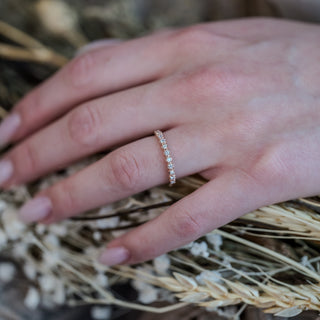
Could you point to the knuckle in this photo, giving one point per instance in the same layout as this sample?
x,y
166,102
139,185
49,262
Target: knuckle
x,y
192,37
32,100
79,70
200,85
192,88
273,168
242,130
125,170
64,199
27,159
83,125
184,224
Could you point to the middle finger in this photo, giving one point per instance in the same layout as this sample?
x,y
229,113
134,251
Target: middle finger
x,y
89,128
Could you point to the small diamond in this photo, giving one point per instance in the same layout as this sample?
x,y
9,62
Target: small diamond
x,y
163,140
173,176
164,146
170,166
171,172
169,159
166,152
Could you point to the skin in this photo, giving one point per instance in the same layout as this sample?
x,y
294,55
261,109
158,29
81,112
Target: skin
x,y
238,102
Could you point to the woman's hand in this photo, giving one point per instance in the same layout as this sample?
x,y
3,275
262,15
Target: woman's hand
x,y
238,102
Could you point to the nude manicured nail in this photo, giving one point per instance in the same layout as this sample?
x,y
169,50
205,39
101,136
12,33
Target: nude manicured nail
x,y
35,209
97,45
114,256
8,127
6,171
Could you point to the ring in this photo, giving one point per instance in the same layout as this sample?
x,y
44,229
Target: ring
x,y
168,156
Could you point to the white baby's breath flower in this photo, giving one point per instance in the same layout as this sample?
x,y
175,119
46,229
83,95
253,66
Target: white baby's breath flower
x,y
47,282
162,264
102,279
97,236
7,271
32,298
59,230
20,249
200,249
3,239
59,296
40,229
3,205
100,313
212,275
51,241
51,259
148,294
227,261
215,239
30,271
13,227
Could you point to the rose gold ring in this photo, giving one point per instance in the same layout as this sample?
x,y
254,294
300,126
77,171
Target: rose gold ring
x,y
168,156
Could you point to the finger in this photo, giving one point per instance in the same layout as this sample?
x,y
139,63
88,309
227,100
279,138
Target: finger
x,y
127,170
92,127
98,44
216,203
92,74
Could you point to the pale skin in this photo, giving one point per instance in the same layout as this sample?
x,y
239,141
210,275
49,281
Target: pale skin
x,y
238,102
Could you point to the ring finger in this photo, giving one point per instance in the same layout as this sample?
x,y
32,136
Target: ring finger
x,y
127,170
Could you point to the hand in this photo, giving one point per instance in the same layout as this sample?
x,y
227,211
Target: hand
x,y
238,102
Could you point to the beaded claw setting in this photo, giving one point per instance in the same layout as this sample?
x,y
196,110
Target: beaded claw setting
x,y
166,152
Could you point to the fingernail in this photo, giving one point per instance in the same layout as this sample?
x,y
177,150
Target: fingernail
x,y
35,209
6,171
112,256
8,127
97,45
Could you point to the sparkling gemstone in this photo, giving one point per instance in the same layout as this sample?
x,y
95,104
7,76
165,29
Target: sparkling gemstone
x,y
167,152
164,146
172,172
170,166
169,159
163,141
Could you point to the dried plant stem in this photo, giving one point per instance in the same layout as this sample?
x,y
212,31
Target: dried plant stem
x,y
18,36
124,212
39,55
109,298
270,253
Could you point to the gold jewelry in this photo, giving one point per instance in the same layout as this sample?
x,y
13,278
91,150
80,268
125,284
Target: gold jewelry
x,y
168,156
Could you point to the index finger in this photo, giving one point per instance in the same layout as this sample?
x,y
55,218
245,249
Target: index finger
x,y
92,74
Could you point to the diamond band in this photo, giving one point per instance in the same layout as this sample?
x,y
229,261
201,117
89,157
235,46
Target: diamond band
x,y
168,156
